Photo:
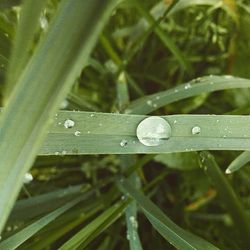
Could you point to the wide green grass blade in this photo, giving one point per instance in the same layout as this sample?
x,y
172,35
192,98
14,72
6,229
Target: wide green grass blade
x,y
197,86
27,26
178,237
222,132
17,239
50,72
228,196
81,239
238,162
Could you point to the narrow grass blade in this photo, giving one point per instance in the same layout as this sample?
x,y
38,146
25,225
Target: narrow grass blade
x,y
178,237
36,206
132,226
238,162
222,132
228,196
197,86
167,41
94,228
50,72
27,26
17,239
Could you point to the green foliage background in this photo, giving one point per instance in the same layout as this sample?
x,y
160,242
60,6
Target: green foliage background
x,y
146,47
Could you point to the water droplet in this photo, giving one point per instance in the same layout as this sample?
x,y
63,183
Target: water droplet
x,y
176,90
64,104
187,86
175,121
27,178
149,102
153,131
64,152
228,77
157,97
69,123
57,153
77,133
155,105
133,221
88,132
123,143
196,130
92,115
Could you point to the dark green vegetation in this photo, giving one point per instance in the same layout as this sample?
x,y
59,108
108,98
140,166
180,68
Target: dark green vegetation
x,y
95,185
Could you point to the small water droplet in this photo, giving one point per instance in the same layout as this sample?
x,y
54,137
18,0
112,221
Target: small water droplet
x,y
196,130
153,131
149,102
28,177
69,123
228,77
100,124
155,105
57,153
77,133
176,90
64,152
92,115
157,97
123,143
175,121
133,221
64,104
187,86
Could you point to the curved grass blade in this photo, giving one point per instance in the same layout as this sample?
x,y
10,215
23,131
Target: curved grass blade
x,y
238,162
27,26
17,239
229,197
177,236
148,104
50,72
81,239
222,132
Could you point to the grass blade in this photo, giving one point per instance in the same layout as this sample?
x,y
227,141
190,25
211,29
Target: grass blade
x,y
88,233
17,239
167,41
230,199
148,104
27,26
217,133
178,237
238,162
23,138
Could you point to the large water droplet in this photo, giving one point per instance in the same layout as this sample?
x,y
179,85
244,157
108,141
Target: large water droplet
x,y
69,123
196,130
153,131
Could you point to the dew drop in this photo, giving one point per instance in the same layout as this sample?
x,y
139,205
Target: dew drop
x,y
92,115
77,133
187,86
69,123
133,221
196,130
149,102
153,131
123,143
27,178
